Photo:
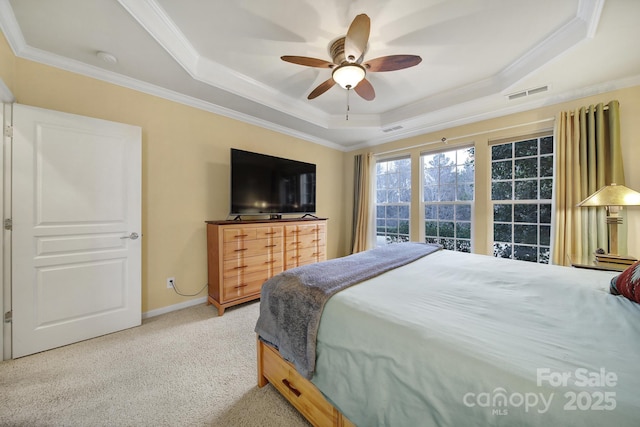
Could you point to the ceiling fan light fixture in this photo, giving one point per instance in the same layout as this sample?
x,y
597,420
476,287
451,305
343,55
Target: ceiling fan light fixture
x,y
349,75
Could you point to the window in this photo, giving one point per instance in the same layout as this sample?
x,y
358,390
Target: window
x,y
521,191
393,200
448,188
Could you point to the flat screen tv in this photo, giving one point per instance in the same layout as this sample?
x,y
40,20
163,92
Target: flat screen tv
x,y
262,184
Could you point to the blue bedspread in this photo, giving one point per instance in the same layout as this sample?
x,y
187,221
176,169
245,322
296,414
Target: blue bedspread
x,y
457,339
292,302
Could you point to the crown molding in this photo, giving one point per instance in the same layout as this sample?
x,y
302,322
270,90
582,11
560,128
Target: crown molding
x,y
10,27
160,26
444,110
153,18
590,11
573,32
474,113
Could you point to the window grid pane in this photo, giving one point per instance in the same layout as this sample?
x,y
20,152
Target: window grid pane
x,y
521,190
393,197
448,182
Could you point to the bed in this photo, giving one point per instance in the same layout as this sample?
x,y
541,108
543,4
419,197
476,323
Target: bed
x,y
451,339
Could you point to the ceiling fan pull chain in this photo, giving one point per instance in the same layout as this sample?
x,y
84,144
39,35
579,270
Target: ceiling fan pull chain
x,y
347,115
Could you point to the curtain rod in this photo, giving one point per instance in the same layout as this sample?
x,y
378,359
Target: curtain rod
x,y
605,107
445,140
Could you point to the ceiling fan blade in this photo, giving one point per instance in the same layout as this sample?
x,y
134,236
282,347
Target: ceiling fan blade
x,y
322,88
355,43
392,63
309,62
365,90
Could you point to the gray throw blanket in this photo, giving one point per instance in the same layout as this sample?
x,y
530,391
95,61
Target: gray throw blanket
x,y
292,302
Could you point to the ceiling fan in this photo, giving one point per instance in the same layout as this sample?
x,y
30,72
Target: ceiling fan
x,y
347,53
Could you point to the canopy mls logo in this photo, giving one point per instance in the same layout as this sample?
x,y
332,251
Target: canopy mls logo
x,y
500,401
593,397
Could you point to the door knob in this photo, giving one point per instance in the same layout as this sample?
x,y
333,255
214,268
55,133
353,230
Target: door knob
x,y
132,236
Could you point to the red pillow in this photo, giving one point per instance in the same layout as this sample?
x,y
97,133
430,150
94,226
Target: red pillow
x,y
627,284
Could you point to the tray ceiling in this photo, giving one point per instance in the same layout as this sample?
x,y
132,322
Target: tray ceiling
x,y
225,57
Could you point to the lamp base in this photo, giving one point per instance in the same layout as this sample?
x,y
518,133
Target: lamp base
x,y
616,259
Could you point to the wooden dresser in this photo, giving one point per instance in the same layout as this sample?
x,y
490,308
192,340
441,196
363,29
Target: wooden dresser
x,y
242,255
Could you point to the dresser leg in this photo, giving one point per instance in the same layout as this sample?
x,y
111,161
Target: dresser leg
x,y
217,304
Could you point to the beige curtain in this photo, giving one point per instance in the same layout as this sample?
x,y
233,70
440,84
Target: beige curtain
x,y
362,204
588,157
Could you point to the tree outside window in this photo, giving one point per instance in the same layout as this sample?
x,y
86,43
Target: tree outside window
x,y
448,180
393,200
521,191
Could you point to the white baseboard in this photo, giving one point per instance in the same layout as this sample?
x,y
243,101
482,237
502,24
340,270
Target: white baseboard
x,y
168,309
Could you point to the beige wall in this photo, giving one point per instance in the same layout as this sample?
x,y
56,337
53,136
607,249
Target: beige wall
x,y
479,134
7,63
185,167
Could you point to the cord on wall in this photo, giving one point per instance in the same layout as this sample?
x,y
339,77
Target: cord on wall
x,y
177,291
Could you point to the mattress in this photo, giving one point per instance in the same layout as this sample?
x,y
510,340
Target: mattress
x,y
458,339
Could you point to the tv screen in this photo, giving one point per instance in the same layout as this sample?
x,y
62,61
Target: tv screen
x,y
262,184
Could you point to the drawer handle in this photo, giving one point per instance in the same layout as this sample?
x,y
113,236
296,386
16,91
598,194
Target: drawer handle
x,y
315,240
240,250
270,262
270,246
270,232
240,236
295,257
295,231
244,285
240,267
292,388
315,254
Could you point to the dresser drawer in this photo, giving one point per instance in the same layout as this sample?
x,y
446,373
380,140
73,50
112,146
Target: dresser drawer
x,y
302,230
302,256
237,234
310,255
260,263
269,232
249,248
310,240
305,241
241,286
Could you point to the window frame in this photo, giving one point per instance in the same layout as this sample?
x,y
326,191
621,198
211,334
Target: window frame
x,y
406,205
471,202
515,201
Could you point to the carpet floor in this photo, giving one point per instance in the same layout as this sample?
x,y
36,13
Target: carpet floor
x,y
184,368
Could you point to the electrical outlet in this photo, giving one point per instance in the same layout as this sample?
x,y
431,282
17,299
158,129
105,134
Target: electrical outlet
x,y
171,282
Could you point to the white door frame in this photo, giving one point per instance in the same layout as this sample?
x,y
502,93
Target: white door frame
x,y
7,99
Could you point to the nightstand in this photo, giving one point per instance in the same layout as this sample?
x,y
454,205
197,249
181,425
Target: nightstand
x,y
589,261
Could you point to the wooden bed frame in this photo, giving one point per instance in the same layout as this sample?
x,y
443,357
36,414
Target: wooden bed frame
x,y
299,391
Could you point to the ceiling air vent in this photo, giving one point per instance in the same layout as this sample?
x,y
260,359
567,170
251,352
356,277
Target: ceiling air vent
x,y
528,92
391,129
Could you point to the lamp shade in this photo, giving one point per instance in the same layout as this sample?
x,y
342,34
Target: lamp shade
x,y
349,75
612,195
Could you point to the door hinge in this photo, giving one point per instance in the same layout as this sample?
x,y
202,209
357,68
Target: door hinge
x,y
8,224
8,317
8,131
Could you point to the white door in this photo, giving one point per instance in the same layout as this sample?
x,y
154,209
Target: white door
x,y
76,211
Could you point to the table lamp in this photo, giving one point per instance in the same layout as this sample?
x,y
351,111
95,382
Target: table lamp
x,y
613,197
